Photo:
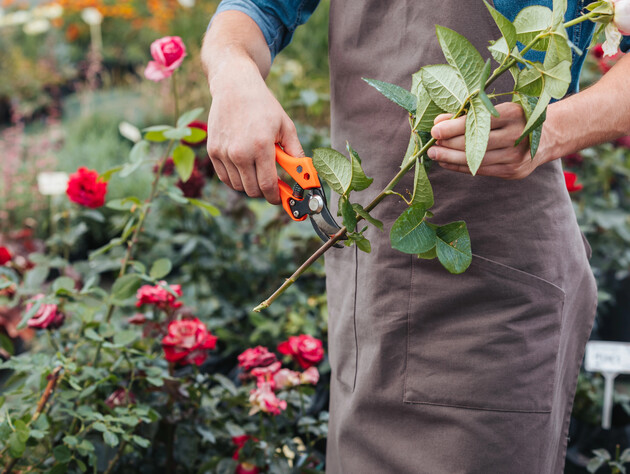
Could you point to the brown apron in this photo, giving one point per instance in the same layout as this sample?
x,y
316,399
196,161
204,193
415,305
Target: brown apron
x,y
432,372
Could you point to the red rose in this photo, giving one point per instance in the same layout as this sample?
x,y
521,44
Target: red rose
x,y
168,53
85,188
47,315
187,342
5,255
258,356
158,295
193,188
137,319
623,142
120,397
571,182
244,467
201,126
305,349
573,159
598,51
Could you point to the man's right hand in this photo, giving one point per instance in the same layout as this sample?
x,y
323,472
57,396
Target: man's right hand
x,y
245,120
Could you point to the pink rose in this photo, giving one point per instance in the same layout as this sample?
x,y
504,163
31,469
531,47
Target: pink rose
x,y
187,342
265,374
310,376
47,316
158,295
305,349
258,356
168,53
286,378
120,397
263,399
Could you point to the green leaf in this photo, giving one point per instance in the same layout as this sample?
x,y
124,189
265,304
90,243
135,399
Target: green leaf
x,y
196,135
499,50
485,100
348,214
445,87
462,55
126,286
64,284
557,80
125,204
559,10
107,175
558,49
7,344
125,338
364,245
430,255
427,110
505,26
184,159
155,136
110,438
62,454
422,189
16,445
91,334
530,81
206,207
537,116
160,268
487,103
453,247
177,133
359,180
358,208
396,94
334,168
530,21
477,133
188,117
140,441
410,233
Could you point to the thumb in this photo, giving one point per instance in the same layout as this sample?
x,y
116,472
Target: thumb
x,y
289,139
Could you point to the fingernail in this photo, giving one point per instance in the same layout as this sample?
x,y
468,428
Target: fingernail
x,y
435,133
432,153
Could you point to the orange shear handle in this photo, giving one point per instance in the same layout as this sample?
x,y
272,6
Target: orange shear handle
x,y
304,174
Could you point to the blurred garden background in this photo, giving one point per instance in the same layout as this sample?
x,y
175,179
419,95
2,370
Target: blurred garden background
x,y
95,374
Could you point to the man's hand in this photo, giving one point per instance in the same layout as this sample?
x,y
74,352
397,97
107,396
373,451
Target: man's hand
x,y
502,158
245,119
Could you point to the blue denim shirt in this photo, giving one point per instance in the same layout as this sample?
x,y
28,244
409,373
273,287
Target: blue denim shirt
x,y
278,20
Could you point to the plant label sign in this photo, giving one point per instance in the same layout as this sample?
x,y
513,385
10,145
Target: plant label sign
x,y
611,359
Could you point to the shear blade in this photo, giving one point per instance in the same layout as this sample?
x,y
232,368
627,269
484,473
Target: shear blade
x,y
324,224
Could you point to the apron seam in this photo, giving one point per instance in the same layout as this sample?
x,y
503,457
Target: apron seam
x,y
408,328
466,407
354,316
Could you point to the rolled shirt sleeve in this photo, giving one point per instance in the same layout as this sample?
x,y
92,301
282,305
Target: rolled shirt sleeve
x,y
276,19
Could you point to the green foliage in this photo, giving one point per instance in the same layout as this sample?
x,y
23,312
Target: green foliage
x,y
396,94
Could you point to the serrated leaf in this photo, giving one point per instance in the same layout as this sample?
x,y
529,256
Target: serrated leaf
x,y
359,180
422,189
410,233
188,117
477,133
160,268
505,26
358,208
126,286
445,87
530,21
184,160
206,207
427,109
348,214
558,49
395,93
334,168
462,55
453,247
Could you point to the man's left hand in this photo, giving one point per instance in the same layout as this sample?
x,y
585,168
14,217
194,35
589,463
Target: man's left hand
x,y
502,159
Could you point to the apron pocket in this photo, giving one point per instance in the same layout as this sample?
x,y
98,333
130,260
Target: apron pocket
x,y
486,339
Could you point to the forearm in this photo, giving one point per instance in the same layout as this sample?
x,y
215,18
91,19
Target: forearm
x,y
234,46
596,115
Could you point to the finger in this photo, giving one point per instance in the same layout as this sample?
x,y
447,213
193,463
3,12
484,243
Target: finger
x,y
497,171
458,157
441,118
267,175
289,140
449,128
221,171
233,175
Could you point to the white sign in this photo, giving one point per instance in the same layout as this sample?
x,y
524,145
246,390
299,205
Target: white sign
x,y
606,356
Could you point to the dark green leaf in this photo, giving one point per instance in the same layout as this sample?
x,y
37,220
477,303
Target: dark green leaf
x,y
396,94
410,233
140,441
62,454
505,26
477,133
422,189
16,445
487,103
126,286
462,55
537,116
348,214
430,255
184,159
427,110
7,344
445,87
334,168
364,245
160,268
358,208
453,247
359,180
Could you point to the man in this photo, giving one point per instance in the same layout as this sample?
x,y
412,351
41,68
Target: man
x,y
431,372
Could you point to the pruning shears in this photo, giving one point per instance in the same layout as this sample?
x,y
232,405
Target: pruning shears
x,y
306,198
